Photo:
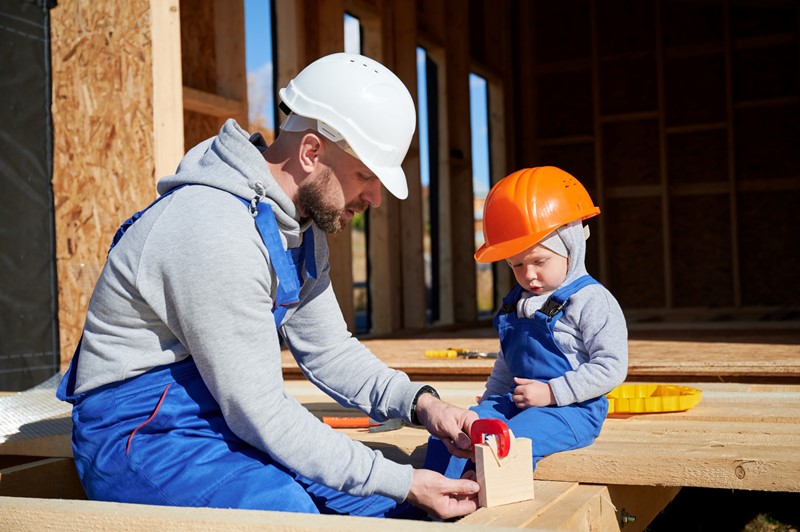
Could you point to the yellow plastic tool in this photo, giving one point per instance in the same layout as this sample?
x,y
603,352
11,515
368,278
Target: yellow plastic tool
x,y
651,398
456,352
441,353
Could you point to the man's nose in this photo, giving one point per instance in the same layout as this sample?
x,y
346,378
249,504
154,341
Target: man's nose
x,y
372,193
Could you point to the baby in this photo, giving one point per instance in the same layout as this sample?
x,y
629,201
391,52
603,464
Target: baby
x,y
563,338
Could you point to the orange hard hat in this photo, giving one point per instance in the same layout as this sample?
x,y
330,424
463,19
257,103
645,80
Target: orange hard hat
x,y
526,206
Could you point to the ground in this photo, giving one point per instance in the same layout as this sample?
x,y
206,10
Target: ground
x,y
714,510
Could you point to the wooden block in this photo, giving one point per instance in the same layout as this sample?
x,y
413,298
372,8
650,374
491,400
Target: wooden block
x,y
504,480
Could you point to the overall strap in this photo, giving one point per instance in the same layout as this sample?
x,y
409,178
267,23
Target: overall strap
x,y
558,300
287,265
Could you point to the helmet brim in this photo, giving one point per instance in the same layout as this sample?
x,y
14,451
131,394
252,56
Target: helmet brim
x,y
506,249
393,178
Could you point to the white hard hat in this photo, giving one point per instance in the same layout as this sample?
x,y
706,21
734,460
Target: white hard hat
x,y
358,100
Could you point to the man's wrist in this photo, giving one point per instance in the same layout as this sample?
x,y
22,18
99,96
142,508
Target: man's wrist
x,y
422,391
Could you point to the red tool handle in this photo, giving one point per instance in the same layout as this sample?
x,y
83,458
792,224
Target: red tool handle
x,y
348,422
485,426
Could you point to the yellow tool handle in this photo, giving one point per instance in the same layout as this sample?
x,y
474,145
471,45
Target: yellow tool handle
x,y
441,353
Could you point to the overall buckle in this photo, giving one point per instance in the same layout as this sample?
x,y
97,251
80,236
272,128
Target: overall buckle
x,y
552,307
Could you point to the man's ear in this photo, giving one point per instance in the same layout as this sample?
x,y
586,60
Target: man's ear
x,y
309,152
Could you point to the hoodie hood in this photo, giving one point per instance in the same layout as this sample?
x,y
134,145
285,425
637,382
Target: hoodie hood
x,y
573,237
233,161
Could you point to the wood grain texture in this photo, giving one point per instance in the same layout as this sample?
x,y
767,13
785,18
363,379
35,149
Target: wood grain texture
x,y
504,480
740,436
725,355
103,144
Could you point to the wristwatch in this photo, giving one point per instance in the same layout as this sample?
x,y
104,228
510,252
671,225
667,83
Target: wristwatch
x,y
424,389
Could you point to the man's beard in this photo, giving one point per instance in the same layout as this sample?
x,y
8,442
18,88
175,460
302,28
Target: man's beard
x,y
311,200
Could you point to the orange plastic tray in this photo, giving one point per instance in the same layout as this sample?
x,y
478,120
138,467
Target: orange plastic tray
x,y
651,398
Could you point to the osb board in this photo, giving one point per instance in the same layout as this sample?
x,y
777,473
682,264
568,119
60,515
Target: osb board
x,y
103,140
728,355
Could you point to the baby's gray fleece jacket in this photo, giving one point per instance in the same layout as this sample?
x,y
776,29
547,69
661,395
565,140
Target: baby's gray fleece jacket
x,y
192,277
591,334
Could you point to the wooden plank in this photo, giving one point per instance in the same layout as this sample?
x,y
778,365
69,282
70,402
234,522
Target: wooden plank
x,y
739,437
401,16
689,463
229,44
382,256
32,514
520,514
48,478
642,503
589,509
460,208
55,445
167,94
557,506
729,355
212,104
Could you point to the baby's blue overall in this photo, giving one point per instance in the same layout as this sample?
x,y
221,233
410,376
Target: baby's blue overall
x,y
531,352
160,438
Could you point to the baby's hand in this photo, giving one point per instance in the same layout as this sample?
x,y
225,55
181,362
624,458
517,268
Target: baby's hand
x,y
531,392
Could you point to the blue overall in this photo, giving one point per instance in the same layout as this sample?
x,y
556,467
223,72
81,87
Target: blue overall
x,y
160,438
531,352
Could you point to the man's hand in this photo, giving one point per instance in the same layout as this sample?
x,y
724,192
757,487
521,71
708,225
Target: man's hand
x,y
531,392
441,496
447,422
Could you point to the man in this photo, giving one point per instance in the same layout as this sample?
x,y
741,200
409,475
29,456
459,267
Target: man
x,y
177,385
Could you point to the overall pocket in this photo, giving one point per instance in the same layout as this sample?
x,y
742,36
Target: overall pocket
x,y
149,420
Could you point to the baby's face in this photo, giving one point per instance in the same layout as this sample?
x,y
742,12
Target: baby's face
x,y
538,269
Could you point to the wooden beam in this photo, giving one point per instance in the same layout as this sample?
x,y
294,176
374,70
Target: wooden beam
x,y
589,509
229,44
410,230
383,253
459,157
167,86
29,514
558,506
213,104
51,478
637,506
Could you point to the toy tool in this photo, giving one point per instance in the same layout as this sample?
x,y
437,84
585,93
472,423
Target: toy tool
x,y
651,398
458,352
363,422
503,463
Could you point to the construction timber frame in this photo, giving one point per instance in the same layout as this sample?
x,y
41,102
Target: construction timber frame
x,y
684,132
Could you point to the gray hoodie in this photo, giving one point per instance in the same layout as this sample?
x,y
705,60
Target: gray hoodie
x,y
192,278
591,334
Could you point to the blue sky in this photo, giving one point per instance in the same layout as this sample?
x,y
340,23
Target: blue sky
x,y
258,27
